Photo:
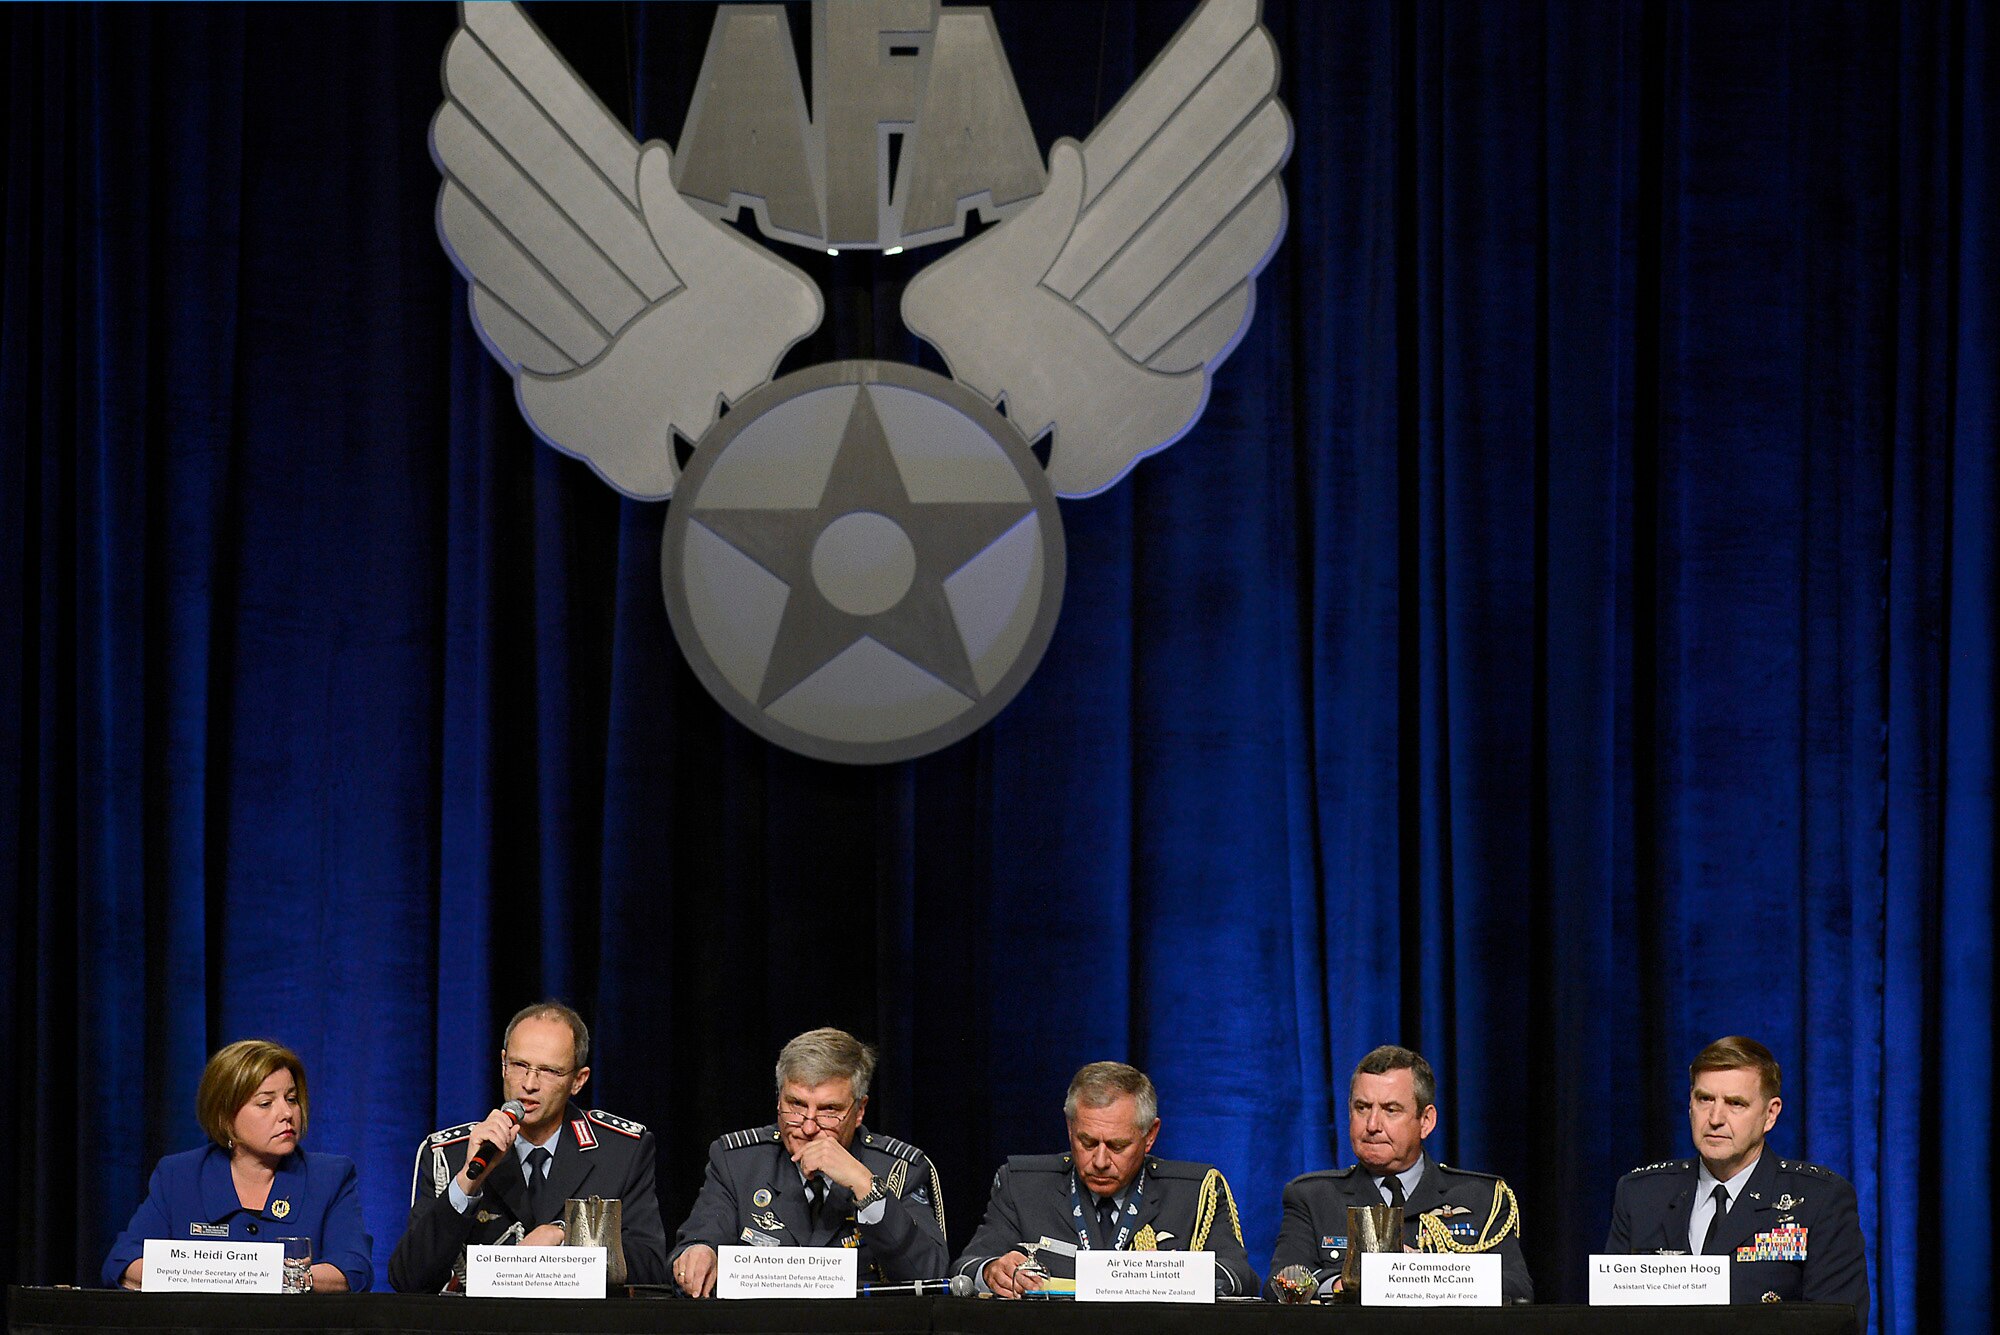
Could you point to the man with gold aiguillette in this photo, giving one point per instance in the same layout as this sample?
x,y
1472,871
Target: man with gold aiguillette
x,y
1391,1107
1107,1193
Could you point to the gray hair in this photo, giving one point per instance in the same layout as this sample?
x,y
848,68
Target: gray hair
x,y
554,1010
1101,1084
1389,1058
820,1055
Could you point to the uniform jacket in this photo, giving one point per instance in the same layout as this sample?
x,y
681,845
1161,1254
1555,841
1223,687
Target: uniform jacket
x,y
1032,1199
1314,1230
753,1194
192,1196
597,1155
1650,1215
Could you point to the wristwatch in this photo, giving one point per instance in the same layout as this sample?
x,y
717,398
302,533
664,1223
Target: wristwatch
x,y
875,1193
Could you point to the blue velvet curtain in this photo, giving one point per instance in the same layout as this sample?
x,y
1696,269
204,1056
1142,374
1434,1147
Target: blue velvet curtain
x,y
1569,636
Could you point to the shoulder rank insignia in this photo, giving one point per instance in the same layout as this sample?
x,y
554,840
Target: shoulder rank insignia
x,y
450,1133
621,1125
756,1135
890,1145
1664,1163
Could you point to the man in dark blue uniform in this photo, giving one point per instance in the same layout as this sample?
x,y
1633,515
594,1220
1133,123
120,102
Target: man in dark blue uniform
x,y
1792,1228
1391,1107
535,1165
1107,1192
817,1177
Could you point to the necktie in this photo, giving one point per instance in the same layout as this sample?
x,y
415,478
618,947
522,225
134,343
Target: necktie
x,y
816,1193
1107,1216
1393,1185
538,1178
1721,1198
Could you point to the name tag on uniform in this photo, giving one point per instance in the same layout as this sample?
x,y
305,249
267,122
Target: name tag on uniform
x,y
787,1272
1147,1277
534,1272
177,1266
1430,1279
1658,1281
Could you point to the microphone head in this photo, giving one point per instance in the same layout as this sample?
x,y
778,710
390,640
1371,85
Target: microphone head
x,y
962,1286
514,1108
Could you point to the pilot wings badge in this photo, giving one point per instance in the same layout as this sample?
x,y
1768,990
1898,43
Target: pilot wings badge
x,y
864,560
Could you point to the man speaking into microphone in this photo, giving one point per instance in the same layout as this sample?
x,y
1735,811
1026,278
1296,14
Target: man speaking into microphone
x,y
504,1179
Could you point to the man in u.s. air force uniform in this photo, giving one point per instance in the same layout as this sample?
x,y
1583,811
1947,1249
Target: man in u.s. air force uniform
x,y
534,1167
1792,1229
1108,1192
1392,1106
817,1177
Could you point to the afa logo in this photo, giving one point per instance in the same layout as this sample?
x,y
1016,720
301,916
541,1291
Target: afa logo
x,y
863,560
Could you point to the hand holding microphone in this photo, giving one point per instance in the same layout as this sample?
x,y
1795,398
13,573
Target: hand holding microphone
x,y
491,1139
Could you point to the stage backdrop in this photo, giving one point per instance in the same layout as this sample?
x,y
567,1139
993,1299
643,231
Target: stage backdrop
x,y
1568,637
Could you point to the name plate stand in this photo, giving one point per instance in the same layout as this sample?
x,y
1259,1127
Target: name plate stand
x,y
787,1272
1148,1277
174,1265
1659,1281
534,1272
1430,1279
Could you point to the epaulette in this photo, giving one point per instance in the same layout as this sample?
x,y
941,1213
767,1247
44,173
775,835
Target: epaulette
x,y
1794,1166
1663,1166
756,1135
1176,1168
1467,1172
1038,1163
450,1133
902,1149
1328,1174
615,1123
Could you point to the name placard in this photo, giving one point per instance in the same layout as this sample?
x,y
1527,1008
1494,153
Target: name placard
x,y
1146,1277
1430,1279
177,1266
1658,1281
534,1272
786,1272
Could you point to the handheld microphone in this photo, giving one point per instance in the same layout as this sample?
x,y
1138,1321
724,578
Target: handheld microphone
x,y
482,1154
957,1285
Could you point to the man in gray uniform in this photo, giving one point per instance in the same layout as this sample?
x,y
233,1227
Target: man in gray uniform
x,y
817,1177
1793,1228
1107,1192
1391,1107
533,1166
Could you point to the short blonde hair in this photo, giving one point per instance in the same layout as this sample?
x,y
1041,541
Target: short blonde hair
x,y
233,1075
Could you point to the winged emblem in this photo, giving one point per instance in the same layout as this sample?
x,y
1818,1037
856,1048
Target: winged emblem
x,y
589,274
1100,310
876,567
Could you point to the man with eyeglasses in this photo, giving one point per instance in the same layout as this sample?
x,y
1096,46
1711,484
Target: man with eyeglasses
x,y
531,1167
817,1177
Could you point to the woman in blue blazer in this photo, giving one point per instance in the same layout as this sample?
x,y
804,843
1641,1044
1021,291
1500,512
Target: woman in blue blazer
x,y
253,1183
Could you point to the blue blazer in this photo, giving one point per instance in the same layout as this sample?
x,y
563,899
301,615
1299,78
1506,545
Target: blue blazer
x,y
192,1196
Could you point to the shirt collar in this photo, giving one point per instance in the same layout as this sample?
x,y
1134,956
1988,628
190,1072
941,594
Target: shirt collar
x,y
1409,1177
1706,1182
521,1145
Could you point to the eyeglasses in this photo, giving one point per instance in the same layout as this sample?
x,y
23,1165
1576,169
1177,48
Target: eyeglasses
x,y
828,1119
519,1069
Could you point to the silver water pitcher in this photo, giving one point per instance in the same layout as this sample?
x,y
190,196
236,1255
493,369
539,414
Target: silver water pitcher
x,y
1370,1228
597,1222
